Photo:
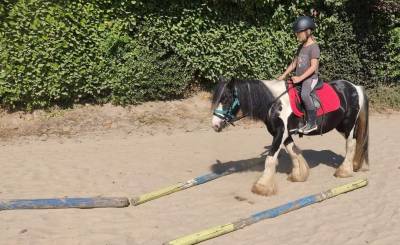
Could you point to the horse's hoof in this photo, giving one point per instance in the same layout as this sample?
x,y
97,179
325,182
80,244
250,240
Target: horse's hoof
x,y
340,173
298,175
297,178
264,190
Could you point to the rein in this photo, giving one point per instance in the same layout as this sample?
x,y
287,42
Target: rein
x,y
283,93
229,115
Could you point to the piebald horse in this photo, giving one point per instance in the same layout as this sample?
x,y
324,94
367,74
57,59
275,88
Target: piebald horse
x,y
268,101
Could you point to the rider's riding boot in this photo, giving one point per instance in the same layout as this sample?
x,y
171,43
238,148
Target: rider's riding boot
x,y
311,124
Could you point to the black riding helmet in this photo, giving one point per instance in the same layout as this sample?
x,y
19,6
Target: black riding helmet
x,y
303,23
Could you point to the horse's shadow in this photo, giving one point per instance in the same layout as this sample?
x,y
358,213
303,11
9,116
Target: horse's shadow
x,y
313,158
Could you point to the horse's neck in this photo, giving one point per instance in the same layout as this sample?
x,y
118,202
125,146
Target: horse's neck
x,y
276,87
258,96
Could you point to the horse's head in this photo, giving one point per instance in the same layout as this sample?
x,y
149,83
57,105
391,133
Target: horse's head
x,y
225,104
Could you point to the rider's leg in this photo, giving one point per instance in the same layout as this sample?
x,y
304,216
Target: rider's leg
x,y
306,88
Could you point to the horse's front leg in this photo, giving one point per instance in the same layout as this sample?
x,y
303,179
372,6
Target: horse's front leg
x,y
300,170
266,185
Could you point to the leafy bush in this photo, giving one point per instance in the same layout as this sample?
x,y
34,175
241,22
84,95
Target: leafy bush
x,y
47,56
385,96
136,73
124,51
393,64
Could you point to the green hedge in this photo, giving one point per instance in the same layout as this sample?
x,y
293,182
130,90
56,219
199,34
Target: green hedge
x,y
393,59
50,54
134,73
127,52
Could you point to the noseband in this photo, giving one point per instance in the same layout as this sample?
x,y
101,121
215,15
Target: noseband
x,y
229,115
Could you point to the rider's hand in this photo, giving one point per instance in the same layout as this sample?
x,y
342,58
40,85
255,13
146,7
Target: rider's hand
x,y
296,79
281,78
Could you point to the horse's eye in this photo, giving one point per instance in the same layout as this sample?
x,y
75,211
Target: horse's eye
x,y
226,100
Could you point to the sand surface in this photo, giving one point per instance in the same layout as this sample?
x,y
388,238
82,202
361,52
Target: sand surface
x,y
118,163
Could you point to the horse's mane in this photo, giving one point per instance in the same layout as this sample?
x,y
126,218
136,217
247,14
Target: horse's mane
x,y
254,97
219,90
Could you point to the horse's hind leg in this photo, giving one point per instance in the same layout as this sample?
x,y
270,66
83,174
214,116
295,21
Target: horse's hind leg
x,y
300,170
346,168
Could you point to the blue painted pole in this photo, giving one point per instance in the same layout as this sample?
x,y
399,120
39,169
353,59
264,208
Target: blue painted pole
x,y
185,185
55,203
266,214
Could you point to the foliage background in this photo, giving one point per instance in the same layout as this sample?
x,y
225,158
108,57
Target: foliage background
x,y
63,52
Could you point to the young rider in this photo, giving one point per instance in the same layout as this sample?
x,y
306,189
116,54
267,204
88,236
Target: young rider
x,y
306,64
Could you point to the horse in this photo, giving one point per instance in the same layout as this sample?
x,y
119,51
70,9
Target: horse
x,y
268,101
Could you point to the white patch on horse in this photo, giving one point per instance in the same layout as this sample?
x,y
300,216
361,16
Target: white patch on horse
x,y
277,89
360,93
275,86
216,121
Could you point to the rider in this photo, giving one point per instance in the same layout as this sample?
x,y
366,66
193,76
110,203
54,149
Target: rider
x,y
306,65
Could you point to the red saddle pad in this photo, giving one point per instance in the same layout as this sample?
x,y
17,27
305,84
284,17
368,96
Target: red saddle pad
x,y
328,98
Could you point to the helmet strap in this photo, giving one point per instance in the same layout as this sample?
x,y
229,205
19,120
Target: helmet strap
x,y
308,33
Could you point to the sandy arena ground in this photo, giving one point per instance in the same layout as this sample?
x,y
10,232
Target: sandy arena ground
x,y
48,158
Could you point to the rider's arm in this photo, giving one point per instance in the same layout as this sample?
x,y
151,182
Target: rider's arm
x,y
289,69
313,67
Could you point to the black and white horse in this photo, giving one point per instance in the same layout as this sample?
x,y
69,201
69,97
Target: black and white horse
x,y
268,101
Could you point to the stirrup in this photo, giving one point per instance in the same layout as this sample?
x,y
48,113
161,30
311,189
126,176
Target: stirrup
x,y
308,129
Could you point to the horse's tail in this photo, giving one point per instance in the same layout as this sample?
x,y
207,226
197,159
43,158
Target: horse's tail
x,y
361,132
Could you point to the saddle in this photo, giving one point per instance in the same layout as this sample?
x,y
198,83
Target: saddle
x,y
323,95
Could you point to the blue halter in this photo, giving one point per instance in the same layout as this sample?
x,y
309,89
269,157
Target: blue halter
x,y
229,115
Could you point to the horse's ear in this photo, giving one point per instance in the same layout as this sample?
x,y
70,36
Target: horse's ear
x,y
222,79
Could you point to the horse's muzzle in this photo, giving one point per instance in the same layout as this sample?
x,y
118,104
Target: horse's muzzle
x,y
218,124
217,129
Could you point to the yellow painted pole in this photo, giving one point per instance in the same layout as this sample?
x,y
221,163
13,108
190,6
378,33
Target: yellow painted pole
x,y
184,185
156,194
270,213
